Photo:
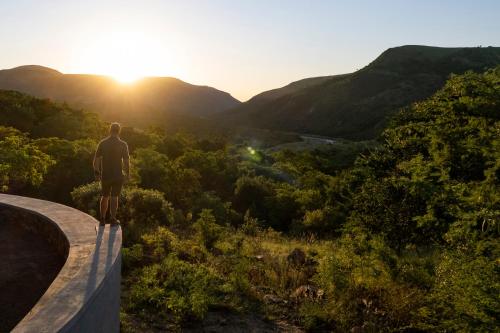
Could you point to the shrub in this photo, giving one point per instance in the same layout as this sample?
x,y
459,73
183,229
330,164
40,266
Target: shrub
x,y
176,287
140,210
132,256
207,230
464,297
147,207
223,212
250,193
250,225
86,198
159,243
314,317
21,162
358,280
158,172
72,167
318,220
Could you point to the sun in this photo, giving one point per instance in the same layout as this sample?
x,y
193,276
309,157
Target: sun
x,y
126,56
126,77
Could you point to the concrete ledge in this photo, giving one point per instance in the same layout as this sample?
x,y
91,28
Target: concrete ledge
x,y
85,295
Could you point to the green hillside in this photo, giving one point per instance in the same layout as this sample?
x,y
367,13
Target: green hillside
x,y
44,118
357,105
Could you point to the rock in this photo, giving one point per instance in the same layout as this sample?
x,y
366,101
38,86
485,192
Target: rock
x,y
357,329
308,291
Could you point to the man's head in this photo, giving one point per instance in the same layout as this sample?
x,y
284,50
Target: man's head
x,y
114,129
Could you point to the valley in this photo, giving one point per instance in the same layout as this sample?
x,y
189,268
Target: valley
x,y
389,224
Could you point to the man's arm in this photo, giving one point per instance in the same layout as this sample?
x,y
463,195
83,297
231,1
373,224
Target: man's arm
x,y
126,167
126,162
97,163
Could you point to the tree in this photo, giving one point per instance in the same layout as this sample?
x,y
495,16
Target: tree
x,y
72,167
21,162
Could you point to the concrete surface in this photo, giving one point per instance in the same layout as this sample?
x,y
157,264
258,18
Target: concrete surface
x,y
28,264
85,294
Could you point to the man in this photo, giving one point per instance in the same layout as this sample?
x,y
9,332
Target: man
x,y
110,161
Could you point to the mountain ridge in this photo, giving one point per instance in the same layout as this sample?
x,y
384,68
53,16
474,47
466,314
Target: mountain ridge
x,y
357,105
147,100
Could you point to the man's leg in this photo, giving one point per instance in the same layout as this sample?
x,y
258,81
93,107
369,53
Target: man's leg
x,y
113,207
115,194
104,207
105,193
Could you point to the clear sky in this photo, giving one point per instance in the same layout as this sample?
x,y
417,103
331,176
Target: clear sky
x,y
240,46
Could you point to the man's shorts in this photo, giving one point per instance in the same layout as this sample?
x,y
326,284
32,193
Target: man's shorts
x,y
111,187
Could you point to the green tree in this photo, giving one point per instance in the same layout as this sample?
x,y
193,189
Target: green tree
x,y
157,171
72,167
21,162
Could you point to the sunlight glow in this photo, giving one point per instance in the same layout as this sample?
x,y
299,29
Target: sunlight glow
x,y
126,56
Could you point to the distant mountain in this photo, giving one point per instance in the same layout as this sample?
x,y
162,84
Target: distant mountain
x,y
357,105
290,88
147,101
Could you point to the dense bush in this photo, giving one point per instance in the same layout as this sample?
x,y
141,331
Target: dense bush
x,y
72,167
140,210
43,118
175,287
207,229
217,170
222,211
433,184
21,162
157,171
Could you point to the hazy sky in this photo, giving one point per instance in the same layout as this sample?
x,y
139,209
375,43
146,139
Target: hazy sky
x,y
242,47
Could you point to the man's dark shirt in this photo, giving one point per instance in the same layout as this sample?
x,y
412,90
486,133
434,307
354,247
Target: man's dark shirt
x,y
112,150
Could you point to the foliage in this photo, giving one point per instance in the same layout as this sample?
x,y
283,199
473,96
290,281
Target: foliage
x,y
43,118
464,296
427,180
157,171
174,286
21,162
207,229
67,171
140,210
405,239
217,170
222,211
357,105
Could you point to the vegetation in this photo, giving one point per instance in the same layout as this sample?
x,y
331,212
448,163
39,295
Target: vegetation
x,y
163,97
42,118
402,238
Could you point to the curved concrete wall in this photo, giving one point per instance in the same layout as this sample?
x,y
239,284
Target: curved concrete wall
x,y
85,295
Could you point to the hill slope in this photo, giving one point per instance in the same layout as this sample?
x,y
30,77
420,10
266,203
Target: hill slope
x,y
149,99
356,105
43,118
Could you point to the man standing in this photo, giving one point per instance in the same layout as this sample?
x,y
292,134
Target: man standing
x,y
110,161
